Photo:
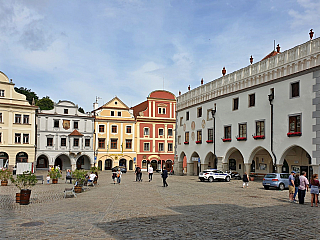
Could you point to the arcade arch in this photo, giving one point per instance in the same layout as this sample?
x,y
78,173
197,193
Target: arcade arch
x,y
261,161
234,161
21,157
193,167
63,161
4,159
210,161
83,162
42,162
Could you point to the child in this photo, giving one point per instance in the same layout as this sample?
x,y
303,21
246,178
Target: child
x,y
48,179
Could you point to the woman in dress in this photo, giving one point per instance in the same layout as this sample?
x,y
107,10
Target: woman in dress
x,y
314,189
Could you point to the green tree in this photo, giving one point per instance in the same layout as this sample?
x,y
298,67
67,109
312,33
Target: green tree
x,y
80,109
45,103
28,93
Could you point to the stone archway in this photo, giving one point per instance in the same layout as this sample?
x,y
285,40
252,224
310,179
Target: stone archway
x,y
154,164
261,161
298,160
123,162
42,162
63,161
4,159
182,164
234,162
83,162
210,161
21,157
193,167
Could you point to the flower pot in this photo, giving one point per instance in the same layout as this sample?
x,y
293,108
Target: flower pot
x,y
251,178
25,196
54,181
4,182
17,197
77,189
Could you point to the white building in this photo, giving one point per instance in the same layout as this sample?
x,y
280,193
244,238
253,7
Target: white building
x,y
65,138
266,114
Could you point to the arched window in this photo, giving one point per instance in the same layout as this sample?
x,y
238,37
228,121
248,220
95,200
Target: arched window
x,y
144,163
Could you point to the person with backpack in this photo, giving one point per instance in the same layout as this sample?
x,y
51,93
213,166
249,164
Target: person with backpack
x,y
296,185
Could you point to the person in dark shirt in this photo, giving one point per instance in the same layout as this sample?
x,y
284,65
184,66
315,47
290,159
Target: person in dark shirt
x,y
164,177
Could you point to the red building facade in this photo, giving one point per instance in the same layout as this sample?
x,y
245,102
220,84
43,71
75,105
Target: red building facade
x,y
155,124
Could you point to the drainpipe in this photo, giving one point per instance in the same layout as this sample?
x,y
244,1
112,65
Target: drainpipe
x,y
213,112
271,97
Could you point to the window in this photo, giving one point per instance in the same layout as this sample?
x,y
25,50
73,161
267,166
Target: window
x,y
75,125
146,131
49,141
0,117
170,132
227,132
179,140
101,128
114,129
295,123
260,128
25,138
112,113
144,164
76,142
17,138
17,118
56,123
161,110
199,135
186,137
252,99
187,116
26,119
119,114
161,147
243,130
210,134
209,114
181,121
199,112
160,131
63,142
170,147
295,89
0,137
87,142
128,129
235,104
1,93
128,143
146,146
114,143
101,142
66,111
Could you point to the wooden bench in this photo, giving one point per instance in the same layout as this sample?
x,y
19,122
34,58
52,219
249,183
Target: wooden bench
x,y
69,190
39,178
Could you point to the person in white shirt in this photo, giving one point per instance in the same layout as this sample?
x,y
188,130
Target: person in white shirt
x,y
91,177
150,172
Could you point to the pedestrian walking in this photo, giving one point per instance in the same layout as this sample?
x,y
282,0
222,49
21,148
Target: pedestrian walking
x,y
291,186
114,175
68,176
119,173
138,174
164,175
150,172
303,187
314,189
296,185
245,180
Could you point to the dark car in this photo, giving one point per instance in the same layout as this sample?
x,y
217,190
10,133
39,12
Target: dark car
x,y
122,169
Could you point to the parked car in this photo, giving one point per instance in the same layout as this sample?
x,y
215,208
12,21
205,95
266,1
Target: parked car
x,y
277,180
214,174
122,169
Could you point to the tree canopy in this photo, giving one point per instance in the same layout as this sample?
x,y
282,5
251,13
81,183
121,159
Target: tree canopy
x,y
80,109
45,103
28,93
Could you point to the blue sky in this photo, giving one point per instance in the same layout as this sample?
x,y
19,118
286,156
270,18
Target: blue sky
x,y
77,50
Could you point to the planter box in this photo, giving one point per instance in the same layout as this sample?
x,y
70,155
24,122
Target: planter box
x,y
241,139
294,134
54,181
258,137
77,189
226,139
209,141
186,143
4,183
198,142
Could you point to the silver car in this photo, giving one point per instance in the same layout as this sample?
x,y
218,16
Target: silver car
x,y
277,180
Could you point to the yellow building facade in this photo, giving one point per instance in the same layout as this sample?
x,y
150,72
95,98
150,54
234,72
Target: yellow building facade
x,y
17,126
114,135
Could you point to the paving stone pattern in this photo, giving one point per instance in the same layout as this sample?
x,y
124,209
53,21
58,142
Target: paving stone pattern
x,y
187,209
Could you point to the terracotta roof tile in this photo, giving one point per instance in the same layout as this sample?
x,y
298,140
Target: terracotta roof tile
x,y
75,133
273,53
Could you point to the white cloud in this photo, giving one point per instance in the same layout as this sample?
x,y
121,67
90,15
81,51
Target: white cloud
x,y
308,15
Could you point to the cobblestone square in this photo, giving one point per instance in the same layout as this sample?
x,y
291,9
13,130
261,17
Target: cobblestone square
x,y
186,209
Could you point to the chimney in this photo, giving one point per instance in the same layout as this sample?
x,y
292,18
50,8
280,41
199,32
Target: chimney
x,y
95,105
179,93
311,34
224,71
189,88
201,81
251,59
278,48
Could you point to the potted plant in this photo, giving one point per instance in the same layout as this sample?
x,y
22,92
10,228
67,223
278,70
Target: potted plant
x,y
54,175
79,177
24,181
251,177
5,175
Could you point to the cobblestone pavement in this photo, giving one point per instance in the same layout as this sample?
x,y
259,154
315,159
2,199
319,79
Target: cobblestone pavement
x,y
187,209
